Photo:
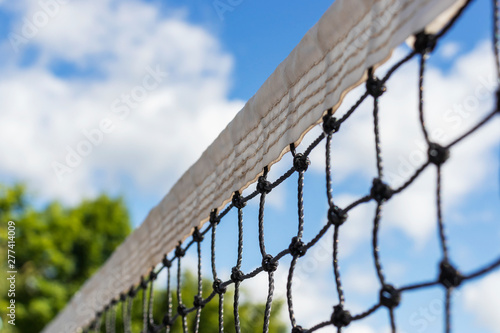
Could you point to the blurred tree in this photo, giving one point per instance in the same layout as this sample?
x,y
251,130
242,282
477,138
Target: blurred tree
x,y
58,248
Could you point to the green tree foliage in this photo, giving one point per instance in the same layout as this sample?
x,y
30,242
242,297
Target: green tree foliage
x,y
58,248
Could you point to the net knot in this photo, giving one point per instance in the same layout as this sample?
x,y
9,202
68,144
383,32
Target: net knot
x,y
167,263
144,283
330,124
263,185
336,216
297,329
340,317
380,191
498,100
132,292
297,247
152,276
214,219
197,236
449,276
301,162
424,43
123,297
390,297
114,302
152,327
236,275
238,201
182,310
179,251
218,287
268,264
437,153
374,86
198,302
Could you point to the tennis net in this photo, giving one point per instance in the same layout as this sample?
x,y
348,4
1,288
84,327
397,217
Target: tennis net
x,y
118,290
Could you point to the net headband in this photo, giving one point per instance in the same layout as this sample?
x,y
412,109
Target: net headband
x,y
331,59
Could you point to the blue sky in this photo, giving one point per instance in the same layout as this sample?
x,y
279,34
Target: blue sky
x,y
59,85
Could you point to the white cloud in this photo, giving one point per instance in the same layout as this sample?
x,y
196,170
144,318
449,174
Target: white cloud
x,y
481,299
449,50
117,41
359,280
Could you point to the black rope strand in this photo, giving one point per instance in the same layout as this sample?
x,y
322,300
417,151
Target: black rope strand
x,y
264,188
200,286
150,319
217,283
214,223
181,308
393,320
289,297
411,179
328,170
375,247
353,108
269,302
421,95
168,317
262,203
376,89
236,274
221,313
336,270
397,65
473,129
442,235
483,271
318,326
447,312
367,312
300,165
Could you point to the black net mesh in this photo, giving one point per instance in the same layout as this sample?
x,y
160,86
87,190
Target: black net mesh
x,y
176,310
